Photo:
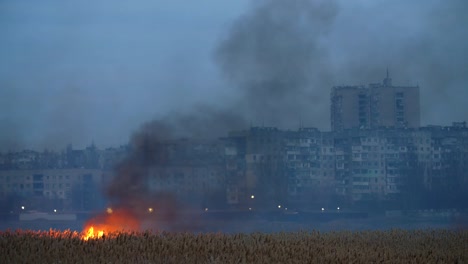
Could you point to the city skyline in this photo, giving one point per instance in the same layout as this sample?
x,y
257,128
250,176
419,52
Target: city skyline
x,y
403,167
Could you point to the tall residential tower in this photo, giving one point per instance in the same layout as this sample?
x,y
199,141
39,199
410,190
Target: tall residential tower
x,y
373,106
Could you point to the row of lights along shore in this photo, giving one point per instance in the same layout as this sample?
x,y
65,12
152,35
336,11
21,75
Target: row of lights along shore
x,y
110,211
150,210
23,208
279,205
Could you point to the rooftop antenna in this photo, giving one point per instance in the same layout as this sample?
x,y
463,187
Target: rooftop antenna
x,y
387,81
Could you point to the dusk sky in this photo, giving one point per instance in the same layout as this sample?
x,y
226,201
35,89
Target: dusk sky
x,y
82,71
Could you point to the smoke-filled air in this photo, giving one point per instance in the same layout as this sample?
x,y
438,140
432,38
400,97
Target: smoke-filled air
x,y
101,70
195,131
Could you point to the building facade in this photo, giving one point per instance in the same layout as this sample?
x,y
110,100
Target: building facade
x,y
60,189
375,106
262,168
307,168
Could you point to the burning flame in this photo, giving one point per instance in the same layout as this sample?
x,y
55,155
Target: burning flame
x,y
113,220
90,233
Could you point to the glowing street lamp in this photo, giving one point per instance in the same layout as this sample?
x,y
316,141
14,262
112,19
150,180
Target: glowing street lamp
x,y
22,207
279,206
150,210
252,196
323,209
55,210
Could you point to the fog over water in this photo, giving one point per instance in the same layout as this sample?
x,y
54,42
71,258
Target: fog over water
x,y
83,71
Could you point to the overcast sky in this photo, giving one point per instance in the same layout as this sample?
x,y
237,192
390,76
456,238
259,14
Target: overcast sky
x,y
83,71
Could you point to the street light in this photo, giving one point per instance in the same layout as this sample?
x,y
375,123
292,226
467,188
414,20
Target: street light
x,y
22,207
323,209
252,196
279,206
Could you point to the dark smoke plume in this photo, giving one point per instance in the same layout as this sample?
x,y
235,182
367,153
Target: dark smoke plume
x,y
274,57
150,149
129,187
282,58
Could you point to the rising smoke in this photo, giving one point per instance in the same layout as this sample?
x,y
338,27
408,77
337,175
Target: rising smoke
x,y
57,70
282,57
273,56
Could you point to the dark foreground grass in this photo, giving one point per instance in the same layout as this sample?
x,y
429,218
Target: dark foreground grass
x,y
394,246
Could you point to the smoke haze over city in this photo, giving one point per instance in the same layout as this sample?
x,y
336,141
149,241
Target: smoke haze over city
x,y
77,72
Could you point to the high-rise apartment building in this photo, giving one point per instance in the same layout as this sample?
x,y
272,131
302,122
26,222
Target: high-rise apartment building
x,y
373,106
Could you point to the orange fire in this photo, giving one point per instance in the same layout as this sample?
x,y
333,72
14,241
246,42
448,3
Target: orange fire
x,y
113,220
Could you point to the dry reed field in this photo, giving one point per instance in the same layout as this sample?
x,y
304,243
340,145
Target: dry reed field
x,y
393,246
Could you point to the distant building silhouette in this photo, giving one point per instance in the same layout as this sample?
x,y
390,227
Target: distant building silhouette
x,y
377,156
375,106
